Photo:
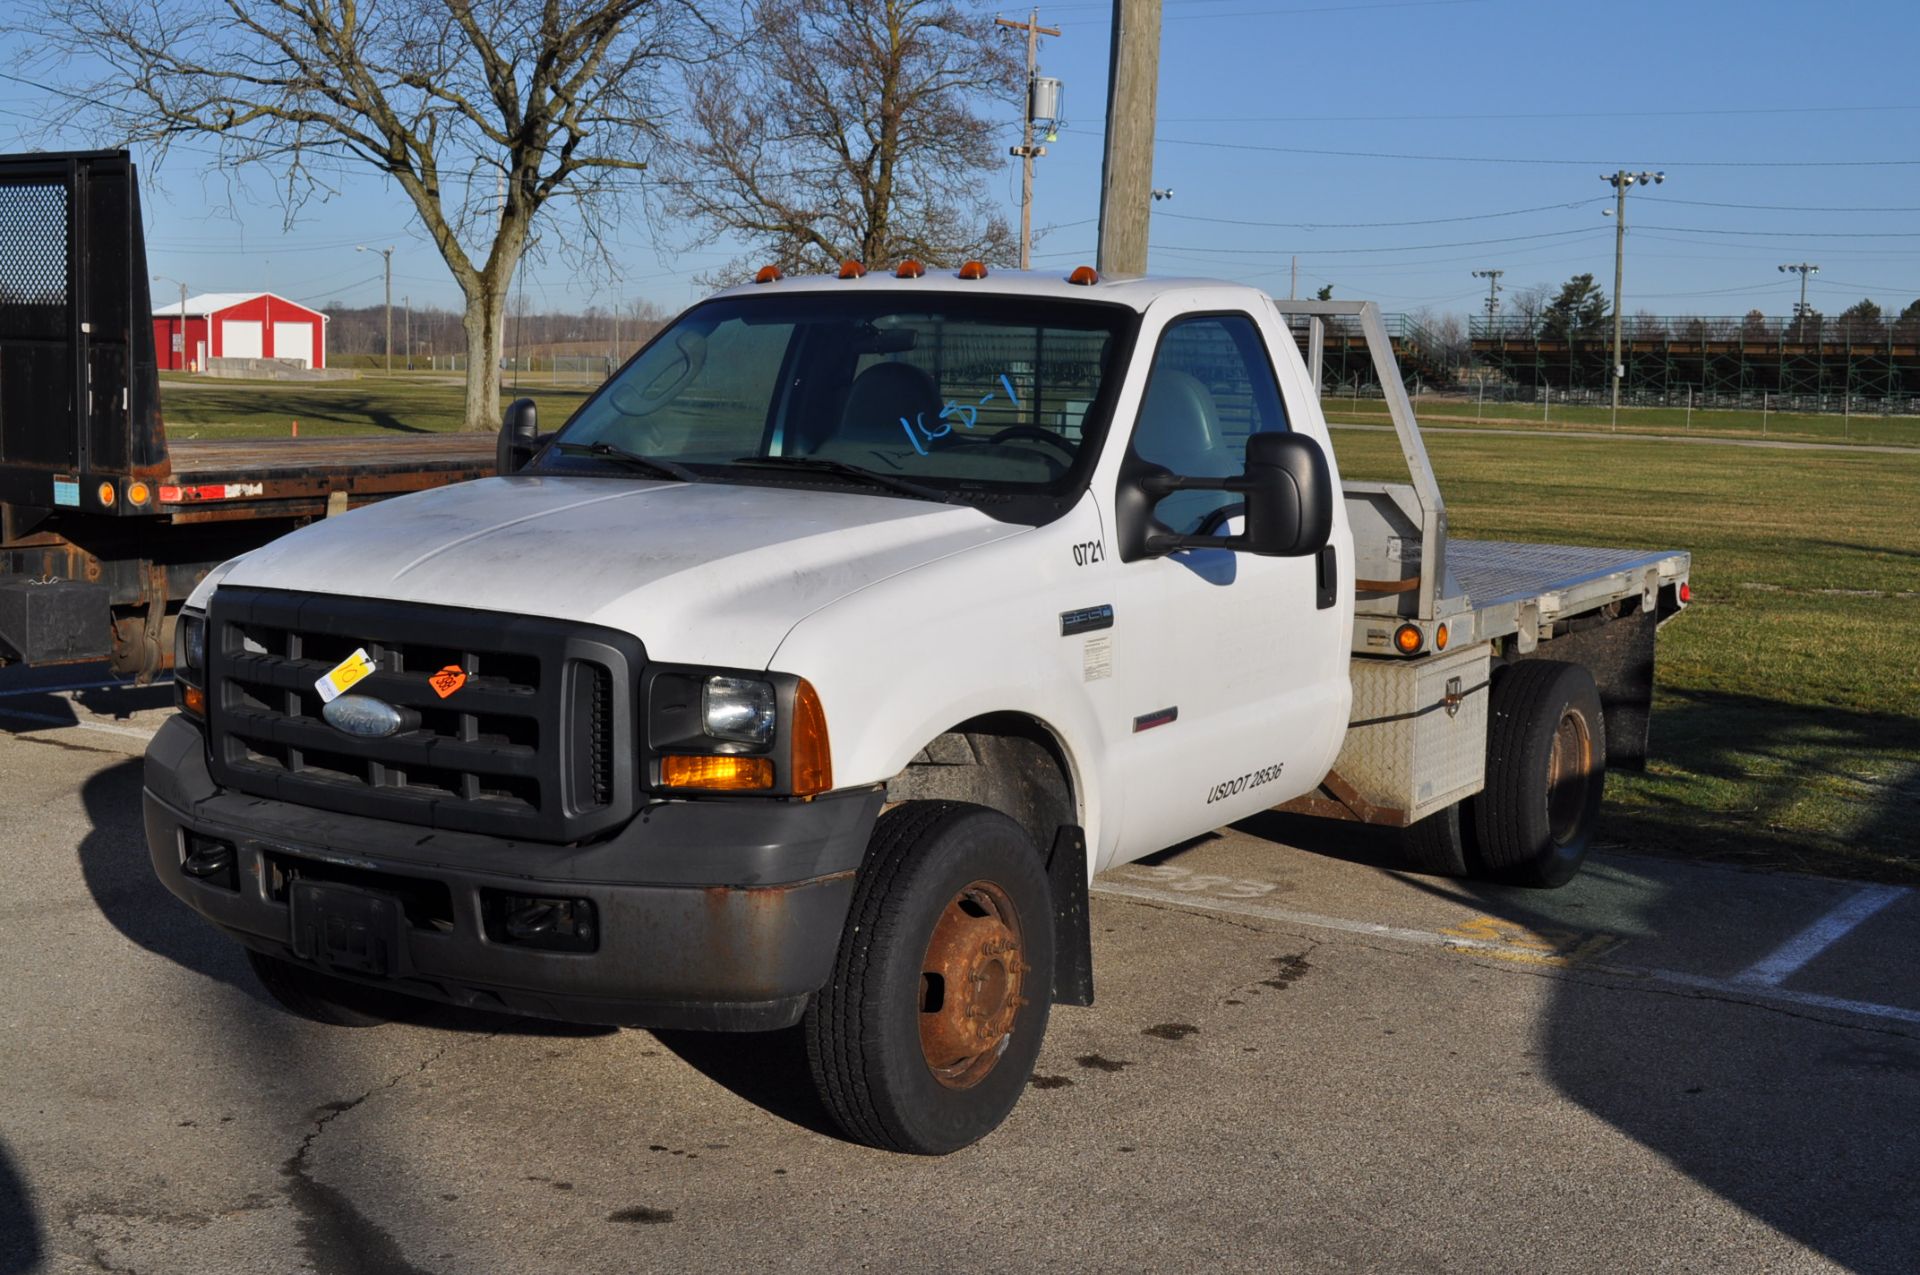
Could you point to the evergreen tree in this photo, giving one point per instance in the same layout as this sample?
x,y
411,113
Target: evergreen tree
x,y
1581,309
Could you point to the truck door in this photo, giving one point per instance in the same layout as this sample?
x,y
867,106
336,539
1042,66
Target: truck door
x,y
1230,668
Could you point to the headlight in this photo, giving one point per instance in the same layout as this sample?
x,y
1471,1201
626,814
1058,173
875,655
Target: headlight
x,y
190,662
738,709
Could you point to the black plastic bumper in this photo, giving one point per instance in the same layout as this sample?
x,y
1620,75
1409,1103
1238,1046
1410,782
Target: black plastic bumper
x,y
721,915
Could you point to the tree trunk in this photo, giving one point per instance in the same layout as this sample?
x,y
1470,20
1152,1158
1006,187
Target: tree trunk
x,y
485,321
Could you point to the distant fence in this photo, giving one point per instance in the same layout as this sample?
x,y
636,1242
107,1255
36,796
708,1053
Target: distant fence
x,y
1759,329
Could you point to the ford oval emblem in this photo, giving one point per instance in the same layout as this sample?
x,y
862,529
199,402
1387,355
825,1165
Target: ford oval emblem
x,y
364,716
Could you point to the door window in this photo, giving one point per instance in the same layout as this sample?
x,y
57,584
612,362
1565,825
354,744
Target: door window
x,y
1211,385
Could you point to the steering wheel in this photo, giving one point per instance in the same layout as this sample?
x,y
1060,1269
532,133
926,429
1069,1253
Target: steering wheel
x,y
1034,433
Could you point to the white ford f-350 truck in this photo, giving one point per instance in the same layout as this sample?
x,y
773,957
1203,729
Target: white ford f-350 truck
x,y
809,672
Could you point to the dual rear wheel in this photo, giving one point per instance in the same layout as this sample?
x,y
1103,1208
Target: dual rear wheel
x,y
1533,823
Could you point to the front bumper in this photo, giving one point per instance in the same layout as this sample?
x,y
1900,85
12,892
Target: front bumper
x,y
720,915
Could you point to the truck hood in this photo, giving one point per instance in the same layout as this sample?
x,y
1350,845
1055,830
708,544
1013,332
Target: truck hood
x,y
711,573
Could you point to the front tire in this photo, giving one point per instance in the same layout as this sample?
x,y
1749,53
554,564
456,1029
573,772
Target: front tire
x,y
926,1034
321,998
1546,771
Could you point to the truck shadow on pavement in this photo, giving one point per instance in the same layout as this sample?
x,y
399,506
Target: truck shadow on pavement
x,y
1804,1118
22,1246
767,1069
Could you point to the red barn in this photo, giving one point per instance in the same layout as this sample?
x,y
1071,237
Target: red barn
x,y
238,325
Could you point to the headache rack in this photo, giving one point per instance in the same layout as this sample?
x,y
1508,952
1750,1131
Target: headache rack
x,y
526,746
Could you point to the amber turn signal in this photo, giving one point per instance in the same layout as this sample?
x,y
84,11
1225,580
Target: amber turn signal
x,y
193,699
716,774
812,766
851,269
1409,639
767,274
138,493
107,494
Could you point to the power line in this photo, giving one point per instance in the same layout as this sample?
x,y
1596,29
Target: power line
x,y
1509,116
1791,234
1707,203
1376,225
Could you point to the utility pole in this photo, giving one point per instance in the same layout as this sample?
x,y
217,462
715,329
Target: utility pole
x,y
1621,180
408,301
1803,269
1293,278
387,254
1493,294
1026,150
1126,170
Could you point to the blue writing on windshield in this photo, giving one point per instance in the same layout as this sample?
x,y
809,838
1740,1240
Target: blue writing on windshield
x,y
967,414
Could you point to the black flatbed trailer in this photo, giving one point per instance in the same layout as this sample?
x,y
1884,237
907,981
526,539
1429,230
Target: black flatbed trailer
x,y
105,526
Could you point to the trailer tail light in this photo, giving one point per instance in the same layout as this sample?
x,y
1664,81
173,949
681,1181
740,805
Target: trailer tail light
x,y
107,495
1686,592
767,274
172,495
1408,639
1086,276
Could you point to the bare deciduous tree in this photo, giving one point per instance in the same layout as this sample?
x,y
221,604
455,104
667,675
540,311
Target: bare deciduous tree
x,y
483,111
848,129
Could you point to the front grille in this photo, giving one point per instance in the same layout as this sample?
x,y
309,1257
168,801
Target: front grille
x,y
530,745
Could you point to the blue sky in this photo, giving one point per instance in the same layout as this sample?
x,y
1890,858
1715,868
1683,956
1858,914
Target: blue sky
x,y
1787,132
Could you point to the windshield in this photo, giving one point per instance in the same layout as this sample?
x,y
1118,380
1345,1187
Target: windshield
x,y
950,394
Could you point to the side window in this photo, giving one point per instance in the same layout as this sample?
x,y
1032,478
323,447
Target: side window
x,y
1210,386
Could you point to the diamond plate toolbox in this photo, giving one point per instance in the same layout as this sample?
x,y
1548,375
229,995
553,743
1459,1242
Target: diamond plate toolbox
x,y
1417,739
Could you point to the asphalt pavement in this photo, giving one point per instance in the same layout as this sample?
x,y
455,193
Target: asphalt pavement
x,y
1302,1058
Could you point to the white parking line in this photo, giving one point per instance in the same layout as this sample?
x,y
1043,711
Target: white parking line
x,y
1733,988
1788,959
51,720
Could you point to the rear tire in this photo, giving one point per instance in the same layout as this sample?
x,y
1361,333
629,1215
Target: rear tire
x,y
321,998
1438,844
1546,771
926,1034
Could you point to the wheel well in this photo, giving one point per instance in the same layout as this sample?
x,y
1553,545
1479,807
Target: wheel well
x,y
1006,761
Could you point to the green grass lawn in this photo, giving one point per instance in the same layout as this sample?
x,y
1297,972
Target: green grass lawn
x,y
1787,727
407,403
1793,427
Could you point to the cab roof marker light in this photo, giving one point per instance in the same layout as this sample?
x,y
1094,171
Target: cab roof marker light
x,y
1086,276
768,274
973,270
909,269
851,269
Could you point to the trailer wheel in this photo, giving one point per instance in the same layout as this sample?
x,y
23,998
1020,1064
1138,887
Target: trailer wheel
x,y
925,1035
1440,844
321,998
1546,768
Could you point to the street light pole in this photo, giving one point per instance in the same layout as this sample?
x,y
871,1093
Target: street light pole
x,y
1803,269
1621,180
1493,294
387,254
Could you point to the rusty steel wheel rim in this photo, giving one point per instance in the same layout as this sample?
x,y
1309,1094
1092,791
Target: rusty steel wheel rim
x,y
970,985
1570,777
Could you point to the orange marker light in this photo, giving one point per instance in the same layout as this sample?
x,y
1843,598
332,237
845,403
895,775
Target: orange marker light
x,y
767,274
1440,638
716,774
138,493
812,768
193,699
851,269
106,494
1086,276
1409,639
909,269
974,270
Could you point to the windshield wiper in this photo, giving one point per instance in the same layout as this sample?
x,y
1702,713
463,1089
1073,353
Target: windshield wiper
x,y
822,464
650,464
